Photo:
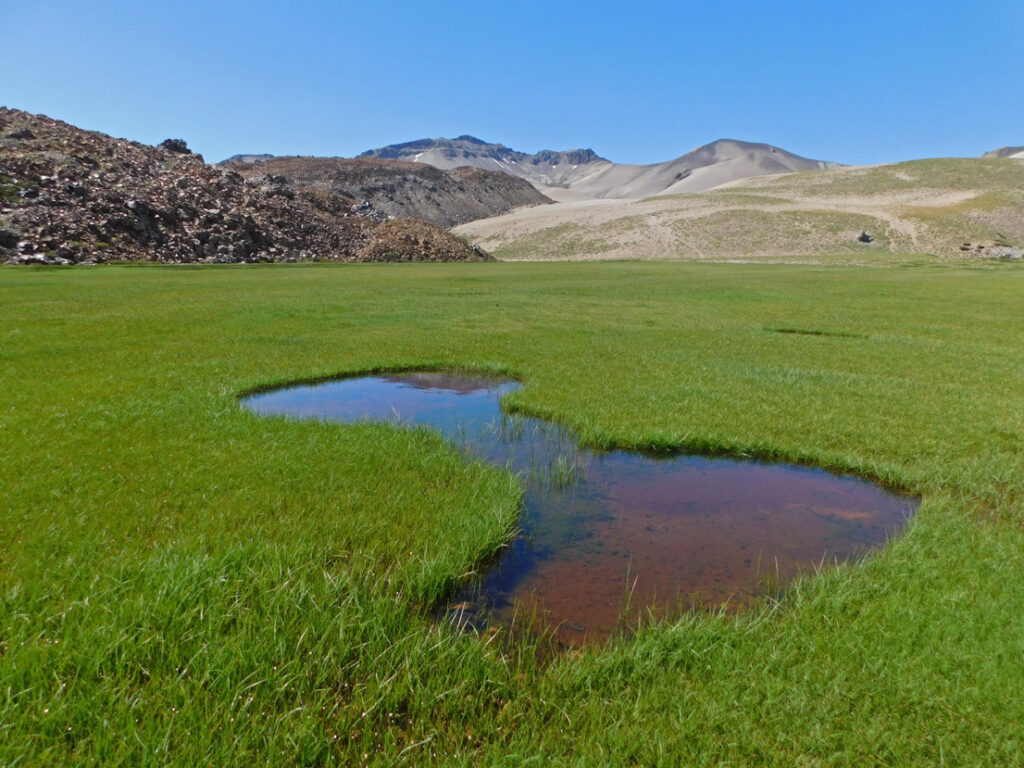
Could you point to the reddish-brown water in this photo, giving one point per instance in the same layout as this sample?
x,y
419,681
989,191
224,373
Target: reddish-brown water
x,y
607,537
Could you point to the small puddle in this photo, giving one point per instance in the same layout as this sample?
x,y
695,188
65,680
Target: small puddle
x,y
607,537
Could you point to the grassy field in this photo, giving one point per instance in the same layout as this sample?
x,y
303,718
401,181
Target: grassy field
x,y
185,583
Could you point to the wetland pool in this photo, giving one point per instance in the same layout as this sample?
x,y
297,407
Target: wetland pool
x,y
606,537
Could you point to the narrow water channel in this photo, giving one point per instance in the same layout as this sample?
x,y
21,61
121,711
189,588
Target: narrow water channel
x,y
607,537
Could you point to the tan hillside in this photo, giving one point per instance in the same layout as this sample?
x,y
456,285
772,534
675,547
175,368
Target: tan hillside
x,y
720,162
948,209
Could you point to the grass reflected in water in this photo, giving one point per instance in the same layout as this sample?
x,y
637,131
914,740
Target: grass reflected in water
x,y
606,538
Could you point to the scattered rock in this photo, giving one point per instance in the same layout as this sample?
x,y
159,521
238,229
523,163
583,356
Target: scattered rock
x,y
1005,252
42,258
408,239
270,185
365,208
993,250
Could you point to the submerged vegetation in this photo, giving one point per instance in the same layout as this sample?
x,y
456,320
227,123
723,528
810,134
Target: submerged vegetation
x,y
186,583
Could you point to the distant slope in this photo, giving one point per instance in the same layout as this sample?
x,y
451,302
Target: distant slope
x,y
953,209
1014,152
397,188
546,168
234,159
585,173
720,162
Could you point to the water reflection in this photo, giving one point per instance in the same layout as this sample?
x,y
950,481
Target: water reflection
x,y
605,535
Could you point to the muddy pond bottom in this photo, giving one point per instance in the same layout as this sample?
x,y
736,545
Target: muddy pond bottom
x,y
607,538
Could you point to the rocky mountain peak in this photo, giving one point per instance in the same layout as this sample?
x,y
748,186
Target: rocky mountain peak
x,y
570,157
544,169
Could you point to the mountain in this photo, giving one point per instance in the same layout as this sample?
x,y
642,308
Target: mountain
x,y
586,174
1015,152
712,165
70,196
546,168
398,188
234,159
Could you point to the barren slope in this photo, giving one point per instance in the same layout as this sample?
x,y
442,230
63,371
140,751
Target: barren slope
x,y
397,188
717,163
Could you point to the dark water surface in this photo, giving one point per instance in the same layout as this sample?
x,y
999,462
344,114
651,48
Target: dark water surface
x,y
606,536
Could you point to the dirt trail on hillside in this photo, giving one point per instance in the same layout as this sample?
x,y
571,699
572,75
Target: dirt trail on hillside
x,y
677,226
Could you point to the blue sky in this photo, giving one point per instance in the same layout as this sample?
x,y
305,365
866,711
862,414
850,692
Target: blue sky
x,y
640,82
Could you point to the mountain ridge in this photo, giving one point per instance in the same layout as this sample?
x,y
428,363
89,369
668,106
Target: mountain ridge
x,y
546,168
585,172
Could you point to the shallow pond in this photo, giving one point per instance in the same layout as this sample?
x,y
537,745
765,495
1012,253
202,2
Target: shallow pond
x,y
606,536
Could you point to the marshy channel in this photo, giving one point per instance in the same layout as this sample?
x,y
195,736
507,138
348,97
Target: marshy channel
x,y
606,537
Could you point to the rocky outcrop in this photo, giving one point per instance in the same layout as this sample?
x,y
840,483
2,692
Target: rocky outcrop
x,y
405,189
406,239
73,196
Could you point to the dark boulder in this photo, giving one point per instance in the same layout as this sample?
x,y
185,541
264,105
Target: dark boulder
x,y
177,146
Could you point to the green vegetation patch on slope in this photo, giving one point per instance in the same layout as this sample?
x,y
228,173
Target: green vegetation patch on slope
x,y
564,241
770,234
186,583
990,218
952,174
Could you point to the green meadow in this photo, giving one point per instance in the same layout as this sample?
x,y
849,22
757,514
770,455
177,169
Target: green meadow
x,y
185,583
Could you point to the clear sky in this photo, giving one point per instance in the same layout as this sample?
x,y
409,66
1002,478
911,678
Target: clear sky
x,y
638,81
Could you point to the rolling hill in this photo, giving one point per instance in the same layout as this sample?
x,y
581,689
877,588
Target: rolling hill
x,y
947,209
